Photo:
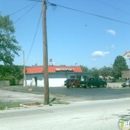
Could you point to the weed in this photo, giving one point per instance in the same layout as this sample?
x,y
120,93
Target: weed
x,y
6,105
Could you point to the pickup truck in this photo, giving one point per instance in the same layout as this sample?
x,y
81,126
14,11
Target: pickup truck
x,y
93,82
86,83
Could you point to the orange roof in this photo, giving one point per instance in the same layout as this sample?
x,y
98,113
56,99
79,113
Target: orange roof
x,y
40,69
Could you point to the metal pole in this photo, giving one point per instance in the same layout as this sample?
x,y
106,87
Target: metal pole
x,y
129,68
45,54
24,83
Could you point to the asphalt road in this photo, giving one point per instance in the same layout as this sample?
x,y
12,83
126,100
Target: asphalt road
x,y
86,115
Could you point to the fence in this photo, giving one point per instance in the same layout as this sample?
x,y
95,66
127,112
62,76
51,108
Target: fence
x,y
4,83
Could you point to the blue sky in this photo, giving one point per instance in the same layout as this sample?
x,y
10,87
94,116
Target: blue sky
x,y
73,37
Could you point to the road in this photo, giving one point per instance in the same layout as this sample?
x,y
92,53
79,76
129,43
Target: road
x,y
85,115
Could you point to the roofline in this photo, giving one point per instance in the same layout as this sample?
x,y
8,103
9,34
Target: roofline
x,y
63,72
52,66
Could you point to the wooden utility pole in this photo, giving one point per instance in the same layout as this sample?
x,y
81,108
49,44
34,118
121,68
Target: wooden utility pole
x,y
45,54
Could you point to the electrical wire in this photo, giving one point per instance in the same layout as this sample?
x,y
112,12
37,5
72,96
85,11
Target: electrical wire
x,y
113,7
25,13
124,2
96,15
21,9
34,37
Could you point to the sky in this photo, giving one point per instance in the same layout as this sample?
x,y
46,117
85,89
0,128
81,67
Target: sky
x,y
91,33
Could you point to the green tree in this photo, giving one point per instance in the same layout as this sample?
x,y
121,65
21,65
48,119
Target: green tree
x,y
84,68
106,71
8,43
12,73
119,65
95,72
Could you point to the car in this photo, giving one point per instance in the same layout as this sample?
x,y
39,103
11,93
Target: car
x,y
72,83
127,83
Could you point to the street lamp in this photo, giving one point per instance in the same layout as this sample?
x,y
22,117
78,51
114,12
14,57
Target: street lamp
x,y
24,71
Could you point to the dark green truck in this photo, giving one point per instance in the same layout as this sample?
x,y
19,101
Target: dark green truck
x,y
98,82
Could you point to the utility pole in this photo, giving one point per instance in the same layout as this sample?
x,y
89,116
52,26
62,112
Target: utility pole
x,y
45,54
24,82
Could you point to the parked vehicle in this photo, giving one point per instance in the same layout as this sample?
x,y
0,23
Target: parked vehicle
x,y
72,83
86,83
127,83
98,82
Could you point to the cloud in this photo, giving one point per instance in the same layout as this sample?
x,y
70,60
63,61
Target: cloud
x,y
100,53
93,59
112,46
113,32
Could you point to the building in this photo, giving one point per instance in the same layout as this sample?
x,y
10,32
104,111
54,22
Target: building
x,y
126,74
56,74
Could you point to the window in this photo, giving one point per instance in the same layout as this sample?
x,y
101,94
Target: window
x,y
72,77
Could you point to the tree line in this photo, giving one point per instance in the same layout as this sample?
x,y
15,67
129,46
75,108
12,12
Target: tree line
x,y
115,71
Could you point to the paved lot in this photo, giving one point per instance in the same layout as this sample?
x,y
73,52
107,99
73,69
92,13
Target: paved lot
x,y
24,95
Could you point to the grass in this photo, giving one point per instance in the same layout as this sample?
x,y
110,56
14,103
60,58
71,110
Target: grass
x,y
7,105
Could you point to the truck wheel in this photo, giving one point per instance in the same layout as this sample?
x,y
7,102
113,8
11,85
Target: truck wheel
x,y
67,86
84,87
90,86
104,85
72,86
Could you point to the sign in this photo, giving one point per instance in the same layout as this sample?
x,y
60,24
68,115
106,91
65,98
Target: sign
x,y
126,54
64,69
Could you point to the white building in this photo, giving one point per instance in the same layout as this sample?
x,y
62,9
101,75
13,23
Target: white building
x,y
56,74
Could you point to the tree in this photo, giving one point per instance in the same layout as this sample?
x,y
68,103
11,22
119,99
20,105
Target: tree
x,y
12,73
84,68
95,72
106,71
118,66
8,42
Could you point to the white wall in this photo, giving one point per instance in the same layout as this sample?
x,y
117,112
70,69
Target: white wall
x,y
55,79
31,79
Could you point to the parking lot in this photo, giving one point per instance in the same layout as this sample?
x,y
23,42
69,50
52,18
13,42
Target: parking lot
x,y
36,94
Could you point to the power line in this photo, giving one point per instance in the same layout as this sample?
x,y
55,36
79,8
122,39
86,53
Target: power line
x,y
96,15
34,37
113,7
21,9
124,2
25,13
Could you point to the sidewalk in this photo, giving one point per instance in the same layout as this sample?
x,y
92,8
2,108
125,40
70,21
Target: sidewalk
x,y
111,85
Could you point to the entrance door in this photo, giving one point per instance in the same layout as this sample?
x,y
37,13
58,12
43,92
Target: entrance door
x,y
35,81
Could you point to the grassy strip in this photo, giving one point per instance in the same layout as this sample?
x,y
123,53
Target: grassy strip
x,y
6,105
